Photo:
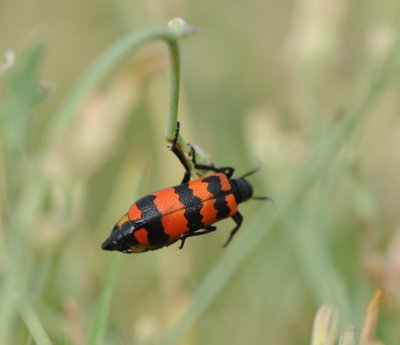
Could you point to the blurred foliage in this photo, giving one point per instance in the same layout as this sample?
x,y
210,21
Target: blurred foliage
x,y
310,88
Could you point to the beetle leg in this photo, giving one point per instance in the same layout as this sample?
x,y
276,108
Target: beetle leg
x,y
228,171
204,231
186,177
181,156
238,218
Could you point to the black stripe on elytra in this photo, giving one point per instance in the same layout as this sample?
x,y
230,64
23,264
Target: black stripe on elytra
x,y
193,206
215,188
151,220
127,228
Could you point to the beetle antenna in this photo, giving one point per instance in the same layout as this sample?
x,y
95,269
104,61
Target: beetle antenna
x,y
264,198
251,172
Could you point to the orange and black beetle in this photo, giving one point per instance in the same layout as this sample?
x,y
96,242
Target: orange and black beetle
x,y
189,209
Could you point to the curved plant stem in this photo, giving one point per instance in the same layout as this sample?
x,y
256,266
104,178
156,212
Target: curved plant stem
x,y
170,131
174,93
108,61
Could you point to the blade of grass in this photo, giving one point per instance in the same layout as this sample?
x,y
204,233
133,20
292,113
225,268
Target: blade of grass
x,y
367,335
310,242
35,327
23,93
98,326
13,285
308,173
326,324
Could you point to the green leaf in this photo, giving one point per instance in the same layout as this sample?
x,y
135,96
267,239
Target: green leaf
x,y
22,93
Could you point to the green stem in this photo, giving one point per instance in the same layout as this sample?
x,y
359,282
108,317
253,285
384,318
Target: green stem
x,y
170,131
107,62
174,93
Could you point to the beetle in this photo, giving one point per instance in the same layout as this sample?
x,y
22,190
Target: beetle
x,y
185,210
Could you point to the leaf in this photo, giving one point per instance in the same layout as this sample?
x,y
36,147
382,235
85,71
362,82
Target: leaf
x,y
22,92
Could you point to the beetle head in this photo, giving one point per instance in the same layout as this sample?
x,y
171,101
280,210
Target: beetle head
x,y
121,237
243,189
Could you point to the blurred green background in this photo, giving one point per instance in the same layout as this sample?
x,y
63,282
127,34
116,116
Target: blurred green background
x,y
309,88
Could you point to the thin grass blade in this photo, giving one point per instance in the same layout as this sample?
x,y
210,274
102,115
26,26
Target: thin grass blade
x,y
98,326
